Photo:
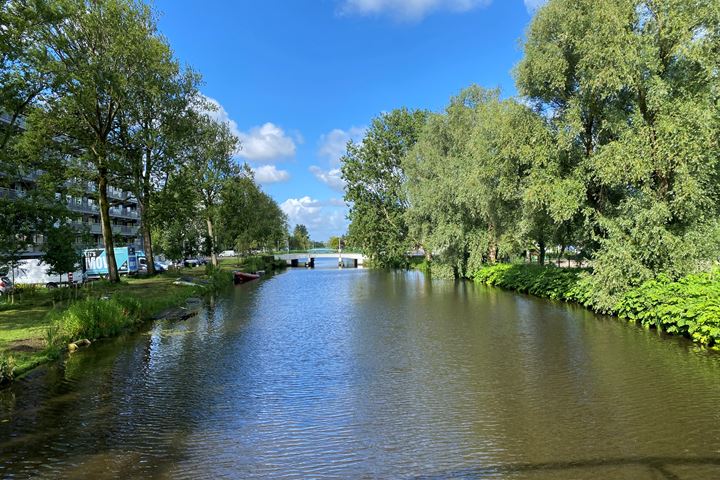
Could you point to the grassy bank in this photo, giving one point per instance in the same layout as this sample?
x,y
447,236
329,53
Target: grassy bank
x,y
689,307
253,264
41,322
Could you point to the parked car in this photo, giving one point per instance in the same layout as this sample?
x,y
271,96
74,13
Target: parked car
x,y
192,262
226,254
159,267
6,286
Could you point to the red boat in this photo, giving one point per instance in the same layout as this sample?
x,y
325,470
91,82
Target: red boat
x,y
242,277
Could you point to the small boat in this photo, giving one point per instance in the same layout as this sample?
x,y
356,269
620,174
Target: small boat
x,y
242,277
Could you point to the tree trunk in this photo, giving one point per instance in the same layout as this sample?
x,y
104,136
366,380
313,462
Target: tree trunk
x,y
113,274
211,239
492,248
562,251
147,237
541,253
148,249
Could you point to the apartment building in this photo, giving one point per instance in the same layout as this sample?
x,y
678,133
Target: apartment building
x,y
124,214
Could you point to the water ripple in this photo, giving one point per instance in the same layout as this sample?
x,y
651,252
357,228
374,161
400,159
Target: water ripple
x,y
360,374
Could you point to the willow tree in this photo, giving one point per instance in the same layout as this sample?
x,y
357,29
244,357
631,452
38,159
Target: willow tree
x,y
435,167
467,177
375,185
95,58
632,88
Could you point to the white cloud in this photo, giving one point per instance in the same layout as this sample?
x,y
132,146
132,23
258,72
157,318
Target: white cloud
x,y
533,5
270,174
220,115
300,208
337,202
332,144
332,178
323,219
265,143
409,10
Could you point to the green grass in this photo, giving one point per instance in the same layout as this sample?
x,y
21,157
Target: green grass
x,y
253,264
38,325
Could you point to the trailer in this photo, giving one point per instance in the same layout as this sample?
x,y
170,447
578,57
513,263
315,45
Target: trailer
x,y
36,272
96,265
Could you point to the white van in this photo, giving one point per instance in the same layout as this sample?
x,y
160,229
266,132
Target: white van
x,y
35,272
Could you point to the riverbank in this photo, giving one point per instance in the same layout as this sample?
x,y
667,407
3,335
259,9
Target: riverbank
x,y
688,307
41,323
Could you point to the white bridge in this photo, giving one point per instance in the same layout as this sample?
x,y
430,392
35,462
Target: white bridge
x,y
294,259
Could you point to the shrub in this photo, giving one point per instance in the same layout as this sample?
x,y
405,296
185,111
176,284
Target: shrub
x,y
7,368
688,307
542,281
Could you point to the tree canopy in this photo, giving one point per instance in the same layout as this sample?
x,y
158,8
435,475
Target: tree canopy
x,y
375,185
611,151
92,98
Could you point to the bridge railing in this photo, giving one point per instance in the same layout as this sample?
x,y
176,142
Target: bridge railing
x,y
324,251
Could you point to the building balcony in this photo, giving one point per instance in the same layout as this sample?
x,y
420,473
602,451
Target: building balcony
x,y
11,193
96,229
124,213
131,231
85,207
117,194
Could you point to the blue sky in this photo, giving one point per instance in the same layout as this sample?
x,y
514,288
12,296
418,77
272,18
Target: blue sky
x,y
297,78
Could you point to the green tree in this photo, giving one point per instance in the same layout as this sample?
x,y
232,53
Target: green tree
x,y
300,238
95,61
61,252
250,218
211,166
334,243
375,185
631,88
467,177
24,76
176,215
22,220
155,130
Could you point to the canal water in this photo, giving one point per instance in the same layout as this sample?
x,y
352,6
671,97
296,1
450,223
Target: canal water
x,y
350,373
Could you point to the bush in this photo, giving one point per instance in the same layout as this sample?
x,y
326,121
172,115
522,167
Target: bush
x,y
265,262
420,263
542,281
7,368
92,318
688,307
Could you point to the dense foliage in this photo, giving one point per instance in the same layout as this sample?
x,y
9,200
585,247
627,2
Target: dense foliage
x,y
611,152
92,98
689,306
300,238
250,219
375,186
